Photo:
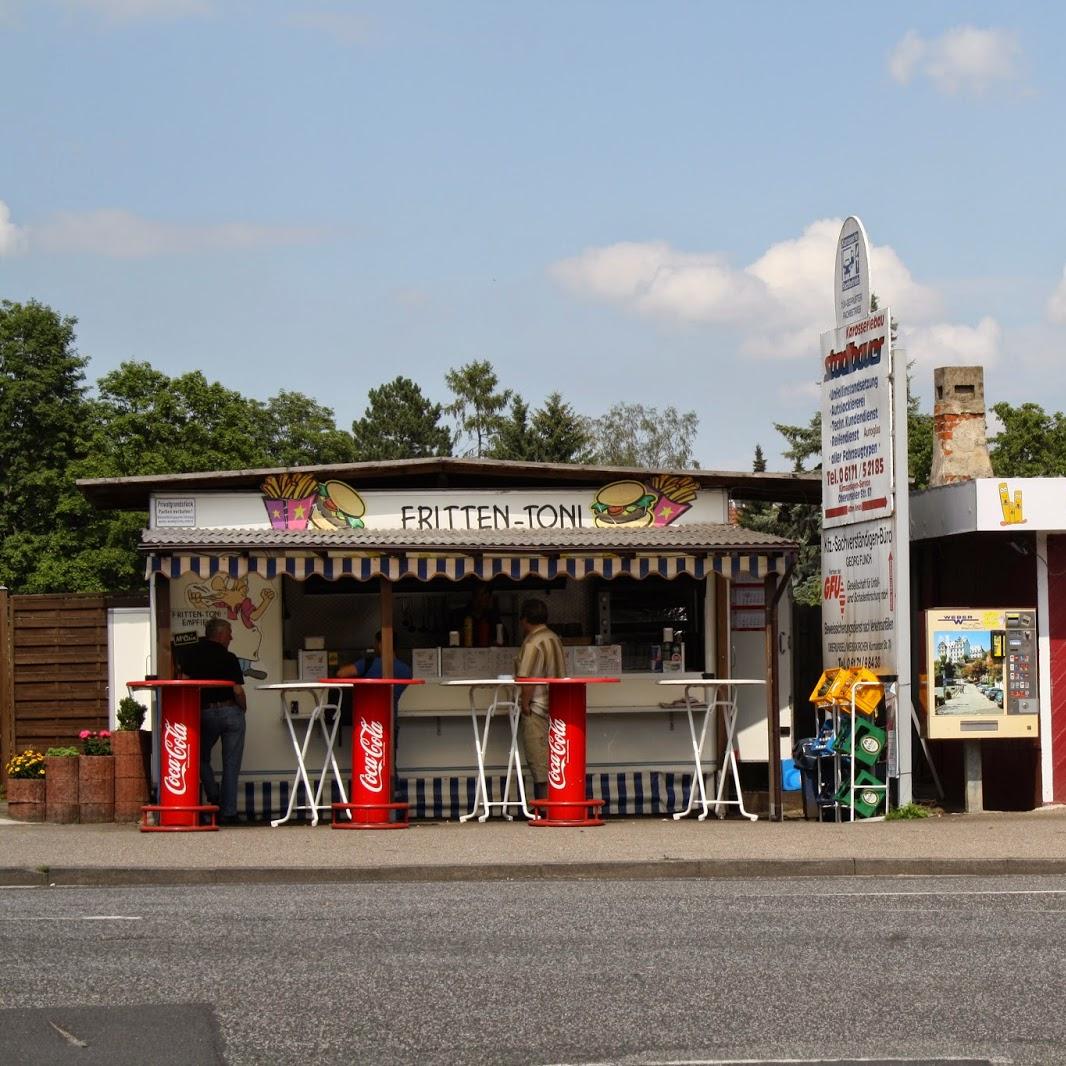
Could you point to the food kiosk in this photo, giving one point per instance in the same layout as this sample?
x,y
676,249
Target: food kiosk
x,y
644,574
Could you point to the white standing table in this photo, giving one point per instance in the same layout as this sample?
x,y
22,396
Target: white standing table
x,y
715,693
320,692
504,698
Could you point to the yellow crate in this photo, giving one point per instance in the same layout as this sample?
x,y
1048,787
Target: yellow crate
x,y
821,697
869,695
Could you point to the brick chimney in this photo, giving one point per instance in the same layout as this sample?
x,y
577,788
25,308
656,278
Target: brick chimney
x,y
960,434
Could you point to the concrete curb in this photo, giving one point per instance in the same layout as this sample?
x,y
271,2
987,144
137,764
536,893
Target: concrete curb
x,y
102,876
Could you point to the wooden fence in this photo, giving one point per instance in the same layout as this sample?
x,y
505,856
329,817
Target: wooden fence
x,y
53,670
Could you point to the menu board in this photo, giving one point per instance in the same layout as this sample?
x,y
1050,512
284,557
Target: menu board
x,y
477,662
314,665
425,662
594,660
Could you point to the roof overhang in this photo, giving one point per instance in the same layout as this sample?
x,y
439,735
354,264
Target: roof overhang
x,y
134,493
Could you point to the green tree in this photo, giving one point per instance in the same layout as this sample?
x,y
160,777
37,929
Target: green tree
x,y
560,435
514,437
299,431
400,423
43,409
477,405
1032,443
631,434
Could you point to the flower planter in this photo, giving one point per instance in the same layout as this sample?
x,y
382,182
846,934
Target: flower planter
x,y
131,748
61,788
96,788
25,798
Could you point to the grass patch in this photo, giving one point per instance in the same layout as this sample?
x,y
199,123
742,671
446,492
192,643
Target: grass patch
x,y
907,812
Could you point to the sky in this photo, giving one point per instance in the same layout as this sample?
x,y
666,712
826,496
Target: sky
x,y
620,201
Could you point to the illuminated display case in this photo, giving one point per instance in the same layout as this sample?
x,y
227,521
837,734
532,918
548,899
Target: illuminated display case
x,y
982,673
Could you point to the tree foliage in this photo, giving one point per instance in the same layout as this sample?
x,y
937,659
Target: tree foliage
x,y
1032,442
631,434
554,433
477,406
400,423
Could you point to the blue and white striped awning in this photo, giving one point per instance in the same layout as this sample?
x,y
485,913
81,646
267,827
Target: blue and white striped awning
x,y
454,566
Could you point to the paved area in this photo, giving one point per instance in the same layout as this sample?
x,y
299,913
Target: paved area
x,y
1016,843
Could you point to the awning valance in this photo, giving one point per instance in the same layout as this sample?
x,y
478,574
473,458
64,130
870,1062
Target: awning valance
x,y
454,566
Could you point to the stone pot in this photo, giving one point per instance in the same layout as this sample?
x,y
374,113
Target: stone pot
x,y
96,788
25,798
61,788
132,751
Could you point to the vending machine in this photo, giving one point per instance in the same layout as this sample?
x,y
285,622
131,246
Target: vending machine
x,y
982,676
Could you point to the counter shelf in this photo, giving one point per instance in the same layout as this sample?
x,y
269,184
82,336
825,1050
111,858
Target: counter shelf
x,y
711,701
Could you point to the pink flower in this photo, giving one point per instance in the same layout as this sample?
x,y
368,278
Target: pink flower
x,y
85,734
104,733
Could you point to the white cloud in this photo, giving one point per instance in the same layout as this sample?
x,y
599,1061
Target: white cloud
x,y
950,344
124,235
1056,305
962,59
12,237
780,303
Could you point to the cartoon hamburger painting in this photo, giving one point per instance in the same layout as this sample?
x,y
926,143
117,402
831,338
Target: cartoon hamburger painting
x,y
338,506
624,503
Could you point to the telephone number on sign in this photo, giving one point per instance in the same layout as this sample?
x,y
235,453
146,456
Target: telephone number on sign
x,y
870,467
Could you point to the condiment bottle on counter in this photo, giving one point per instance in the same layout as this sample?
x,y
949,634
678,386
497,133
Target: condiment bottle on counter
x,y
468,632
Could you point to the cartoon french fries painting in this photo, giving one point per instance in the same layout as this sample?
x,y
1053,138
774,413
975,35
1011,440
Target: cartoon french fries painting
x,y
1012,509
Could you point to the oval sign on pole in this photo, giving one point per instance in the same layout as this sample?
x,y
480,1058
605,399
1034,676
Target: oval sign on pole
x,y
851,286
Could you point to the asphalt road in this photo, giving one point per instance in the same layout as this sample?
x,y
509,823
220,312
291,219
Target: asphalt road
x,y
933,969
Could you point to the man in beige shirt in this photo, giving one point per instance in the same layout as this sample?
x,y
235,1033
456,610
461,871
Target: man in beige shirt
x,y
541,655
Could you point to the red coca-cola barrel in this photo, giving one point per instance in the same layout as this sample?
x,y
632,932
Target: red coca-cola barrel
x,y
178,729
373,752
568,803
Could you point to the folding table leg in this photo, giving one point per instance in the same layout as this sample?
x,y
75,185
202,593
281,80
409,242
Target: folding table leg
x,y
731,761
481,793
514,764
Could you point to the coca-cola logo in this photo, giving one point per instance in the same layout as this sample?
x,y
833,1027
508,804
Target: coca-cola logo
x,y
558,752
176,746
372,743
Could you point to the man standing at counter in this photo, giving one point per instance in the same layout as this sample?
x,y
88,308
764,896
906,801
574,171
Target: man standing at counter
x,y
541,655
222,712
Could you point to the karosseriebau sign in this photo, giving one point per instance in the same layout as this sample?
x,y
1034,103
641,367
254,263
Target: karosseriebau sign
x,y
857,421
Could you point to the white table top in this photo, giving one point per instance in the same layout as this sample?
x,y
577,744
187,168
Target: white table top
x,y
707,682
478,681
296,686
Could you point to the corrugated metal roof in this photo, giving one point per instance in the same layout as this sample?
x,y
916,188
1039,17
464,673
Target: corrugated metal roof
x,y
696,536
132,493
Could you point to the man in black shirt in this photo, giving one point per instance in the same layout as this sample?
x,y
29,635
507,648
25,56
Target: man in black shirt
x,y
222,713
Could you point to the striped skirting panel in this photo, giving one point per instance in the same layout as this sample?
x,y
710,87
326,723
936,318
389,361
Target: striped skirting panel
x,y
649,792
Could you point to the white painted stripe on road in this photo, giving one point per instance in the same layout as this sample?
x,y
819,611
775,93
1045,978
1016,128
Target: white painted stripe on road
x,y
79,918
953,1059
944,892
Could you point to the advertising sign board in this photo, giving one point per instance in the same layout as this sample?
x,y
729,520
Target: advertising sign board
x,y
851,287
857,429
981,666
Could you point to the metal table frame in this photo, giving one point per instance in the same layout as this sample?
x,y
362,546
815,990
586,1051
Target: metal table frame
x,y
320,692
711,701
505,696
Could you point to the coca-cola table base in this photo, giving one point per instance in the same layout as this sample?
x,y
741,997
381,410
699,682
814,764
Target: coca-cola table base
x,y
179,759
567,805
372,754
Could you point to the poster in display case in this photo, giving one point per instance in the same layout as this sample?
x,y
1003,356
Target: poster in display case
x,y
981,668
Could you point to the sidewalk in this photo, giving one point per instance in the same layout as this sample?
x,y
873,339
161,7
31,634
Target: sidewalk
x,y
1004,843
